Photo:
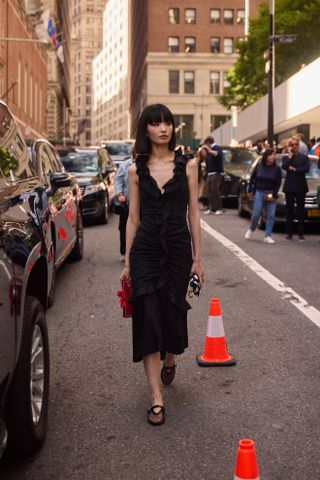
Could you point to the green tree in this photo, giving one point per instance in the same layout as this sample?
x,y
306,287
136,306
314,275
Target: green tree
x,y
248,80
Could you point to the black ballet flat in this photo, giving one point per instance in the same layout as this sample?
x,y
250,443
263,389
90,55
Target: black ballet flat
x,y
156,418
168,374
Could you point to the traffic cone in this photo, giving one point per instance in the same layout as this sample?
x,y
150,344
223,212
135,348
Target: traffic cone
x,y
215,352
246,466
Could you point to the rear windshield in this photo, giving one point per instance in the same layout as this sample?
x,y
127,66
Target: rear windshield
x,y
80,162
121,148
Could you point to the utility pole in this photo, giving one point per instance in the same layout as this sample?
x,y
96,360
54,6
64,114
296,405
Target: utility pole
x,y
246,17
271,74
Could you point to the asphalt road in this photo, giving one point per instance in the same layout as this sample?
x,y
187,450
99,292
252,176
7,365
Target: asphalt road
x,y
98,428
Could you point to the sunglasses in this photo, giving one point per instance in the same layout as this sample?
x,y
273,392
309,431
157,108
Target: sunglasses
x,y
293,144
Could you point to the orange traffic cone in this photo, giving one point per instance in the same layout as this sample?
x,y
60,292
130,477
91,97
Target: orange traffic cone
x,y
215,352
246,466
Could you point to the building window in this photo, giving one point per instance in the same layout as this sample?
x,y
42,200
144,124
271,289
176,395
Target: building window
x,y
174,16
190,44
215,15
214,83
226,83
190,15
241,14
184,127
218,120
173,44
173,81
228,45
188,82
215,45
228,16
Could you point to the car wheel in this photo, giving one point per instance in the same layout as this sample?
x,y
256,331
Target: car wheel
x,y
27,412
76,253
241,211
104,217
53,280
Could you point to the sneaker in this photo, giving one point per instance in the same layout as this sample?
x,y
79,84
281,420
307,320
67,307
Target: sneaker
x,y
288,237
207,212
248,234
302,238
268,240
122,258
219,212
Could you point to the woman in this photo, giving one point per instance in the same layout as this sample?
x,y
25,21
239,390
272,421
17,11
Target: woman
x,y
264,183
163,184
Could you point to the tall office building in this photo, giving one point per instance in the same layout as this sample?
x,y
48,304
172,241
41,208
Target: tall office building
x,y
23,69
53,16
110,118
86,44
180,56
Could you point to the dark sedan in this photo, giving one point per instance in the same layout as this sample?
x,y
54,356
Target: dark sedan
x,y
235,162
312,211
95,174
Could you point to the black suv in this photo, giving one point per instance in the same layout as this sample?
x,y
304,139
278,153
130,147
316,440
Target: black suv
x,y
40,221
95,172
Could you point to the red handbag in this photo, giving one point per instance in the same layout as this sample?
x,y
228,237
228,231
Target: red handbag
x,y
124,296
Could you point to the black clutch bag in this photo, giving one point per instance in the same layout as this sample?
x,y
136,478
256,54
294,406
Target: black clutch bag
x,y
194,287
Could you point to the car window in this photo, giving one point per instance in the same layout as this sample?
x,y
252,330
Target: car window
x,y
121,148
15,160
80,162
44,162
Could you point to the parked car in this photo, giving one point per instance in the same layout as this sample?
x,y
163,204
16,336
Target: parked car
x,y
40,225
312,211
235,162
118,150
96,174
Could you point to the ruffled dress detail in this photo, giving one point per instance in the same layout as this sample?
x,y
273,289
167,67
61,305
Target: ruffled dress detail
x,y
160,263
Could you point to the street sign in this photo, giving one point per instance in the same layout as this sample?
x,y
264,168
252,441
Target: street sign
x,y
284,38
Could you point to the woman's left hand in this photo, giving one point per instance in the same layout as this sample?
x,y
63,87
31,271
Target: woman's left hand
x,y
198,269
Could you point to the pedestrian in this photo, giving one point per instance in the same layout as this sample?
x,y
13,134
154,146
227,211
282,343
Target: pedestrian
x,y
161,254
121,201
215,172
264,183
295,187
303,148
202,177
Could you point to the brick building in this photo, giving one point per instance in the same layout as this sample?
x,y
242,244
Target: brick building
x,y
180,56
23,69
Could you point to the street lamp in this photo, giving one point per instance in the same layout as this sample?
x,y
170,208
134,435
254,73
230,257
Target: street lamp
x,y
272,40
271,74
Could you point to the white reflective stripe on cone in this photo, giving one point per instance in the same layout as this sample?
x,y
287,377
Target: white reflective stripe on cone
x,y
215,327
238,478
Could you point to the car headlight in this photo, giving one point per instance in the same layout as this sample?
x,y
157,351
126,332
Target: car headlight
x,y
91,189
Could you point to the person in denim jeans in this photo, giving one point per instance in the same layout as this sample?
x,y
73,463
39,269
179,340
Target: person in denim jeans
x,y
264,183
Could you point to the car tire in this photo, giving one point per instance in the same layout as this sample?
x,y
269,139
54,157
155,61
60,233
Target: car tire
x,y
27,408
241,211
104,217
76,253
53,280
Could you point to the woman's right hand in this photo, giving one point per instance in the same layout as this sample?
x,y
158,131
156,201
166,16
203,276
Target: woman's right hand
x,y
125,274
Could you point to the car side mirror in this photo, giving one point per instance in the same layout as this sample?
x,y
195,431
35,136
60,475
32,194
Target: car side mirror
x,y
60,180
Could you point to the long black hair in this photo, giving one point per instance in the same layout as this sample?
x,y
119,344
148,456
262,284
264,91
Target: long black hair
x,y
265,155
153,114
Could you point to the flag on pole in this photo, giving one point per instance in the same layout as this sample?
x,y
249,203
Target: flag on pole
x,y
81,126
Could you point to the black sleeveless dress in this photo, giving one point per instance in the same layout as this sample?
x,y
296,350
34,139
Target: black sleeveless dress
x,y
160,263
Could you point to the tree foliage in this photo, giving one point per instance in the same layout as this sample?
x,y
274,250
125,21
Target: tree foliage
x,y
248,80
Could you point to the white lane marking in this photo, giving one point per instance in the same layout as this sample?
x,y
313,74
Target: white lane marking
x,y
286,292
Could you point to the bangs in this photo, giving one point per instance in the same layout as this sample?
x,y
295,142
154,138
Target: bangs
x,y
158,113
